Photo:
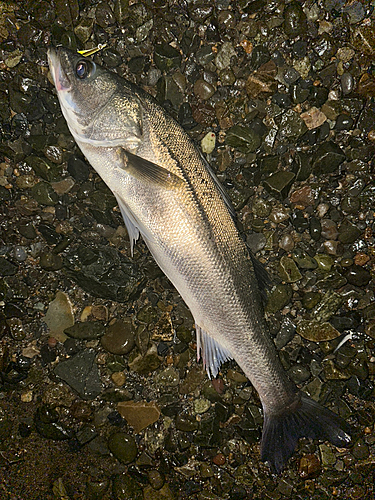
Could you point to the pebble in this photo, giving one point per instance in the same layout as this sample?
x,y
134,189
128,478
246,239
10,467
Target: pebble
x,y
288,270
316,331
357,275
245,139
126,488
344,122
59,316
279,298
327,158
348,232
81,373
208,143
88,330
303,196
329,229
156,479
203,89
123,447
119,338
139,414
166,57
219,459
278,184
201,405
224,55
360,450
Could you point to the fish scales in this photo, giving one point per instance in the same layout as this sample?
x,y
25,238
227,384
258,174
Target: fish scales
x,y
168,194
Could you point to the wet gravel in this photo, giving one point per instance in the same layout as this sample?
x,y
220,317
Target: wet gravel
x,y
100,392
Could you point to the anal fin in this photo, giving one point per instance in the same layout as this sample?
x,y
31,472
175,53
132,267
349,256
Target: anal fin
x,y
213,354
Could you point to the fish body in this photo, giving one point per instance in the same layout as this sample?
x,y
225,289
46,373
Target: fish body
x,y
168,194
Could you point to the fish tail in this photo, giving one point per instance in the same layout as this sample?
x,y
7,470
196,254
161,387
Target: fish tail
x,y
303,418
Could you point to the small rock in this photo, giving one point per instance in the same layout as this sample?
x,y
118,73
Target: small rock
x,y
288,270
119,337
224,55
123,447
327,158
303,196
316,331
139,414
313,118
208,143
88,330
59,316
279,298
81,373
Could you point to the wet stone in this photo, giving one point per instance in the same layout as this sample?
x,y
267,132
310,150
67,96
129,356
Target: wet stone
x,y
7,268
119,338
360,450
123,447
81,373
149,362
299,374
291,126
203,90
193,380
316,331
156,479
303,259
348,232
256,242
50,261
168,377
358,276
78,169
311,299
286,242
44,194
59,315
285,334
104,15
327,158
295,22
245,139
88,330
279,183
288,270
224,55
139,414
166,57
325,262
279,298
186,423
96,488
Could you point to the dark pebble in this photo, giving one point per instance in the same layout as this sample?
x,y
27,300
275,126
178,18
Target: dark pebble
x,y
123,447
119,338
347,83
104,15
48,354
50,262
166,57
358,276
294,20
78,169
344,122
327,158
87,330
126,488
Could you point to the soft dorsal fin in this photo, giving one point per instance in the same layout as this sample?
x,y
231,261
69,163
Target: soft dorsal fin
x,y
213,354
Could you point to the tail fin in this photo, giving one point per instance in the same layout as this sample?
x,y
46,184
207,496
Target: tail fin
x,y
304,418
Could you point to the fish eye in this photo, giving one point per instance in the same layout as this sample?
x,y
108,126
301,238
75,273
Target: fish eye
x,y
83,69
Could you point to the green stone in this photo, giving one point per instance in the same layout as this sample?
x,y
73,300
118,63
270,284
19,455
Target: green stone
x,y
327,307
303,259
291,126
50,262
88,330
279,298
43,194
186,423
166,57
261,208
193,380
316,331
119,338
245,139
325,262
360,450
278,184
332,372
126,488
311,299
348,232
288,270
123,447
145,364
295,22
327,158
327,455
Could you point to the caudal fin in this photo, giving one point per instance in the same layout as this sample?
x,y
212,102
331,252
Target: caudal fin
x,y
304,418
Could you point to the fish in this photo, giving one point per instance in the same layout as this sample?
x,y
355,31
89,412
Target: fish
x,y
168,194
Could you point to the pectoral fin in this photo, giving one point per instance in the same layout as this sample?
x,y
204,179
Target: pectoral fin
x,y
149,172
130,224
213,354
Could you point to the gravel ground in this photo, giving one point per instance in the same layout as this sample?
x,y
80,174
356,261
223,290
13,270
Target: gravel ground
x,y
101,396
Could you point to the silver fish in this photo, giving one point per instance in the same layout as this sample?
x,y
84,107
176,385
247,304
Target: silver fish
x,y
168,194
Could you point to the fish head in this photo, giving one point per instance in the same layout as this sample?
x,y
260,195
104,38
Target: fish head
x,y
85,90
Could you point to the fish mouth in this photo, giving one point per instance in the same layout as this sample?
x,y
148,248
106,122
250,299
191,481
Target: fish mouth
x,y
60,78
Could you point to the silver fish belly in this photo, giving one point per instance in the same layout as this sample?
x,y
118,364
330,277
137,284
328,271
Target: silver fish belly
x,y
168,195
